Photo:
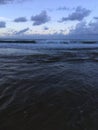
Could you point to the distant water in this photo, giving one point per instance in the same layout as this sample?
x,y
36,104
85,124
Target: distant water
x,y
48,86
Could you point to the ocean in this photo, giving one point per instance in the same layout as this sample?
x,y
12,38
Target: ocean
x,y
50,85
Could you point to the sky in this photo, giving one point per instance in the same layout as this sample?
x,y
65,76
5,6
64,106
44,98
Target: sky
x,y
38,18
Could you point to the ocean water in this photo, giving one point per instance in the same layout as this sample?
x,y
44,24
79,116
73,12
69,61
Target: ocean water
x,y
49,85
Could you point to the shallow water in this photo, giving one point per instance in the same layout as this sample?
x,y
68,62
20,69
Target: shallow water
x,y
48,87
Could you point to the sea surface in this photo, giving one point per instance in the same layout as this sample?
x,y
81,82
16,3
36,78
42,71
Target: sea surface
x,y
48,86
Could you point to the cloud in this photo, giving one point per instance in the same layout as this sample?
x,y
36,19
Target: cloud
x,y
11,1
46,28
4,1
62,8
78,15
21,31
41,18
85,28
96,18
20,19
2,24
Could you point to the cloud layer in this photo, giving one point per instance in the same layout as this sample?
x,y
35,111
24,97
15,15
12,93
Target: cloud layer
x,y
20,19
41,18
85,28
79,14
2,24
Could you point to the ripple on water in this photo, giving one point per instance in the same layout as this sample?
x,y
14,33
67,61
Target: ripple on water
x,y
53,92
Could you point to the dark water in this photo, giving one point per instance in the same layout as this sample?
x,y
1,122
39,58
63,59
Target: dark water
x,y
52,89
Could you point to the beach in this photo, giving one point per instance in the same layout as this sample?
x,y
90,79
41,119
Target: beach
x,y
48,86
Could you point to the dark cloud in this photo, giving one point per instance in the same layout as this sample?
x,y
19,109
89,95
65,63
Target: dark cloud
x,y
96,18
85,28
5,1
2,24
46,28
79,14
21,31
41,18
20,19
